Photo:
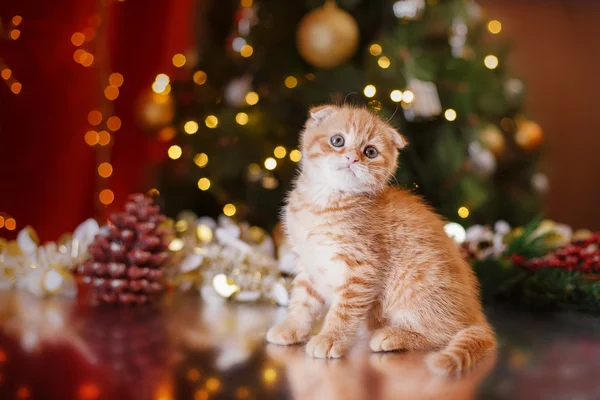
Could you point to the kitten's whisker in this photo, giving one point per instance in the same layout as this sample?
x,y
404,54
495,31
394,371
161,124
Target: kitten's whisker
x,y
395,111
346,97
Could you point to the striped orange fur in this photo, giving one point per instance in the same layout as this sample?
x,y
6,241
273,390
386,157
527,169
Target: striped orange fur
x,y
373,254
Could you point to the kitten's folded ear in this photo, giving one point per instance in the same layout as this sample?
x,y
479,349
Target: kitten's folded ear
x,y
399,140
319,114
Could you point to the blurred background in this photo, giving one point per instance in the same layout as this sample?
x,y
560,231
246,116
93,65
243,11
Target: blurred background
x,y
202,101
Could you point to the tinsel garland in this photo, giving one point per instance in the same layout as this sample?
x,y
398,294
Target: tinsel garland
x,y
226,260
544,265
45,270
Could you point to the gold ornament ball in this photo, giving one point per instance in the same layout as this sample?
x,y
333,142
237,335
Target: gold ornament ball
x,y
154,110
327,36
493,139
529,135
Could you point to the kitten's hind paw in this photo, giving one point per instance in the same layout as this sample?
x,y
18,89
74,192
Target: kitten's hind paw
x,y
326,346
286,334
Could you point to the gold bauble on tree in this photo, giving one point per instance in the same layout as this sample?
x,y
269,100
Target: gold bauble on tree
x,y
529,135
154,111
327,36
493,139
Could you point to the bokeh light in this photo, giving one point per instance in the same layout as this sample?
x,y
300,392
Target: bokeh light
x,y
201,160
491,61
179,60
370,91
295,155
106,196
280,152
396,96
252,98
375,49
105,170
241,118
94,117
203,184
450,114
290,82
174,152
77,39
115,79
190,127
200,77
494,26
228,210
113,123
270,163
384,62
246,51
211,121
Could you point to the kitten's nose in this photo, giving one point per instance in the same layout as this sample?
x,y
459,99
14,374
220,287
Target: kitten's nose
x,y
351,160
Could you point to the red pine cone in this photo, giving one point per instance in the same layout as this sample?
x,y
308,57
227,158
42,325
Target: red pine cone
x,y
128,260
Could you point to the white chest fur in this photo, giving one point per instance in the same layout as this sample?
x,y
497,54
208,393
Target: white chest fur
x,y
312,239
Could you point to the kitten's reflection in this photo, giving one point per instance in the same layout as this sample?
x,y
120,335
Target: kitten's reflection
x,y
366,375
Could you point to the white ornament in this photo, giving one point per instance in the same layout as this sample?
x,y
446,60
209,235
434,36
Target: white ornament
x,y
236,90
484,243
475,11
455,231
540,182
479,240
408,9
426,103
458,37
238,43
482,160
513,87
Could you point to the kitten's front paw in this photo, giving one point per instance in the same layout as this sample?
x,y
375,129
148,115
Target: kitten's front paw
x,y
286,334
327,346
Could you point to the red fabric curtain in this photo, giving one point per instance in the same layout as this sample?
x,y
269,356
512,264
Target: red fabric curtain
x,y
47,171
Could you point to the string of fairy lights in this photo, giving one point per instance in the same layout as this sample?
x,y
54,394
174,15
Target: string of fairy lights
x,y
240,45
13,32
161,85
103,124
407,97
10,31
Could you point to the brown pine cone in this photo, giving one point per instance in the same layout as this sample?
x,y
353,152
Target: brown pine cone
x,y
128,260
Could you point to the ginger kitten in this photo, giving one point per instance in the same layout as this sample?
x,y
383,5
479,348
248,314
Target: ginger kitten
x,y
373,253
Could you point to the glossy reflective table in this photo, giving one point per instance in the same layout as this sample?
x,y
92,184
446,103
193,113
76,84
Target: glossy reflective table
x,y
186,349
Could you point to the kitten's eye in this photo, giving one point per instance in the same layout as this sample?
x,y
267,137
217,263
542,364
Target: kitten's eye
x,y
371,152
337,140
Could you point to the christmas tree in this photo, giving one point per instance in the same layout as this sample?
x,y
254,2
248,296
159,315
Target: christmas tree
x,y
436,69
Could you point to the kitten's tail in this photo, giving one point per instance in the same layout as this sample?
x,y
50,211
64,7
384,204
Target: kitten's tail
x,y
464,350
